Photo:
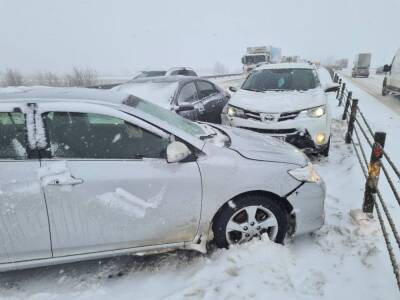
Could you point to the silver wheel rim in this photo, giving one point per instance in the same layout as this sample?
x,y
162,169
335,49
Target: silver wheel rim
x,y
251,222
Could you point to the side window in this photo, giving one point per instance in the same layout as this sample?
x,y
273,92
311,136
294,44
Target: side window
x,y
173,73
205,89
12,136
86,135
188,94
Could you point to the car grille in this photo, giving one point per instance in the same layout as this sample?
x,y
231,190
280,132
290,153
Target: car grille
x,y
271,117
272,131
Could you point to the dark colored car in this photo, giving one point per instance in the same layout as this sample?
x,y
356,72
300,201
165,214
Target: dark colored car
x,y
192,97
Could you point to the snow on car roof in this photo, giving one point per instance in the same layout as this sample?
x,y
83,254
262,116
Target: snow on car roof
x,y
158,79
286,66
41,93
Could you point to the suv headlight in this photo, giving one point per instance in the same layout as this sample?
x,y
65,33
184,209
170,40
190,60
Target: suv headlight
x,y
315,112
305,174
235,112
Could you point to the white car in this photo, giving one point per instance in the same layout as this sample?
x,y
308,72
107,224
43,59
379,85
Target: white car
x,y
183,71
87,174
287,101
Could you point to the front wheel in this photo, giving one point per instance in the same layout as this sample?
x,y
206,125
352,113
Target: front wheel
x,y
250,217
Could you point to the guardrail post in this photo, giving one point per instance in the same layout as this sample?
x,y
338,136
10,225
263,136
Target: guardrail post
x,y
342,93
346,105
338,91
374,169
350,128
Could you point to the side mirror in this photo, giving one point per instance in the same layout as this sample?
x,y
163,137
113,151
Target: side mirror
x,y
331,87
233,89
387,68
177,151
184,107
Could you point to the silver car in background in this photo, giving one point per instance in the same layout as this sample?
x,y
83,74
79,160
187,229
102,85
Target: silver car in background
x,y
87,174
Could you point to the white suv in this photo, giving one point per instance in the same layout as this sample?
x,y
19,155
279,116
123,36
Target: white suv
x,y
287,101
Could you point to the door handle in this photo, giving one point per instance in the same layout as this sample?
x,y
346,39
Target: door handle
x,y
66,181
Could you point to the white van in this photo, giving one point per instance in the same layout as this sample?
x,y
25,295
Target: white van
x,y
391,83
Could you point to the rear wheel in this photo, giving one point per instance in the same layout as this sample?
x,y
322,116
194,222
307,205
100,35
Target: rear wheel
x,y
250,217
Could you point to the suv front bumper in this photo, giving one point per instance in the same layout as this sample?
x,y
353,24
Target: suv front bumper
x,y
300,133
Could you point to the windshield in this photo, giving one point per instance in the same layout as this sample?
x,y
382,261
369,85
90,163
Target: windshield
x,y
254,59
157,92
171,118
280,79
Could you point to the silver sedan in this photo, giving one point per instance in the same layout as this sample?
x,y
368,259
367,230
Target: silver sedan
x,y
87,174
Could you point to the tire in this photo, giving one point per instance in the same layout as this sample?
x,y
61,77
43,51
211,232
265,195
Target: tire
x,y
325,151
267,213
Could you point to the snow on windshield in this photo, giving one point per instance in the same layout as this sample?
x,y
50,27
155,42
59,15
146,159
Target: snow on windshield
x,y
160,92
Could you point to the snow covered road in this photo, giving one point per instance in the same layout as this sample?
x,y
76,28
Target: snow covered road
x,y
343,260
373,86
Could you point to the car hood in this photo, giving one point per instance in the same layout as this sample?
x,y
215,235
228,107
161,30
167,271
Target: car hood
x,y
278,101
257,146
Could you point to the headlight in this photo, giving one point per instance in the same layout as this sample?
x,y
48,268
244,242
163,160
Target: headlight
x,y
235,112
316,112
307,174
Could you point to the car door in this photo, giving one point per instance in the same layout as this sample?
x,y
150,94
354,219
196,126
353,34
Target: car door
x,y
24,227
187,96
395,72
108,185
212,99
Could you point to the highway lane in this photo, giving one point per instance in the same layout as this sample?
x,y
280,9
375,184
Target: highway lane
x,y
373,86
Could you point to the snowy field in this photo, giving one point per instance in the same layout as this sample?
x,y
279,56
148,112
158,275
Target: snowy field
x,y
343,260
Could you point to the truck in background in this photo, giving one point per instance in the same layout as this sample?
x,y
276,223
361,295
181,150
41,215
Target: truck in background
x,y
258,55
361,65
341,64
291,59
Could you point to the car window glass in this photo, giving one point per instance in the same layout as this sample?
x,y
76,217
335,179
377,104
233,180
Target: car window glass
x,y
280,79
172,119
86,135
205,89
12,136
188,94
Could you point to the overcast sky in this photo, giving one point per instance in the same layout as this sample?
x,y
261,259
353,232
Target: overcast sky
x,y
116,36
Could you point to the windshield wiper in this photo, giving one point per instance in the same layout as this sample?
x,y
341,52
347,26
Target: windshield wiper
x,y
208,136
251,90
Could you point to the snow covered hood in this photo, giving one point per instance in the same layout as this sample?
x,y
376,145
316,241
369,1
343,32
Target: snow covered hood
x,y
278,101
257,146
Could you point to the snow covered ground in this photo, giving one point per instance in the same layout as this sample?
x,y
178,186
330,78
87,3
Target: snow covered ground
x,y
343,260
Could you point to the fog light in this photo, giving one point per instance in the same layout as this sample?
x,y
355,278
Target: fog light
x,y
320,138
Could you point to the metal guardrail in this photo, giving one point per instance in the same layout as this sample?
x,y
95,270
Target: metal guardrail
x,y
359,129
108,86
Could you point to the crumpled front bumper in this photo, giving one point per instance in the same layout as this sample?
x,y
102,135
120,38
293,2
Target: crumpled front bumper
x,y
308,206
